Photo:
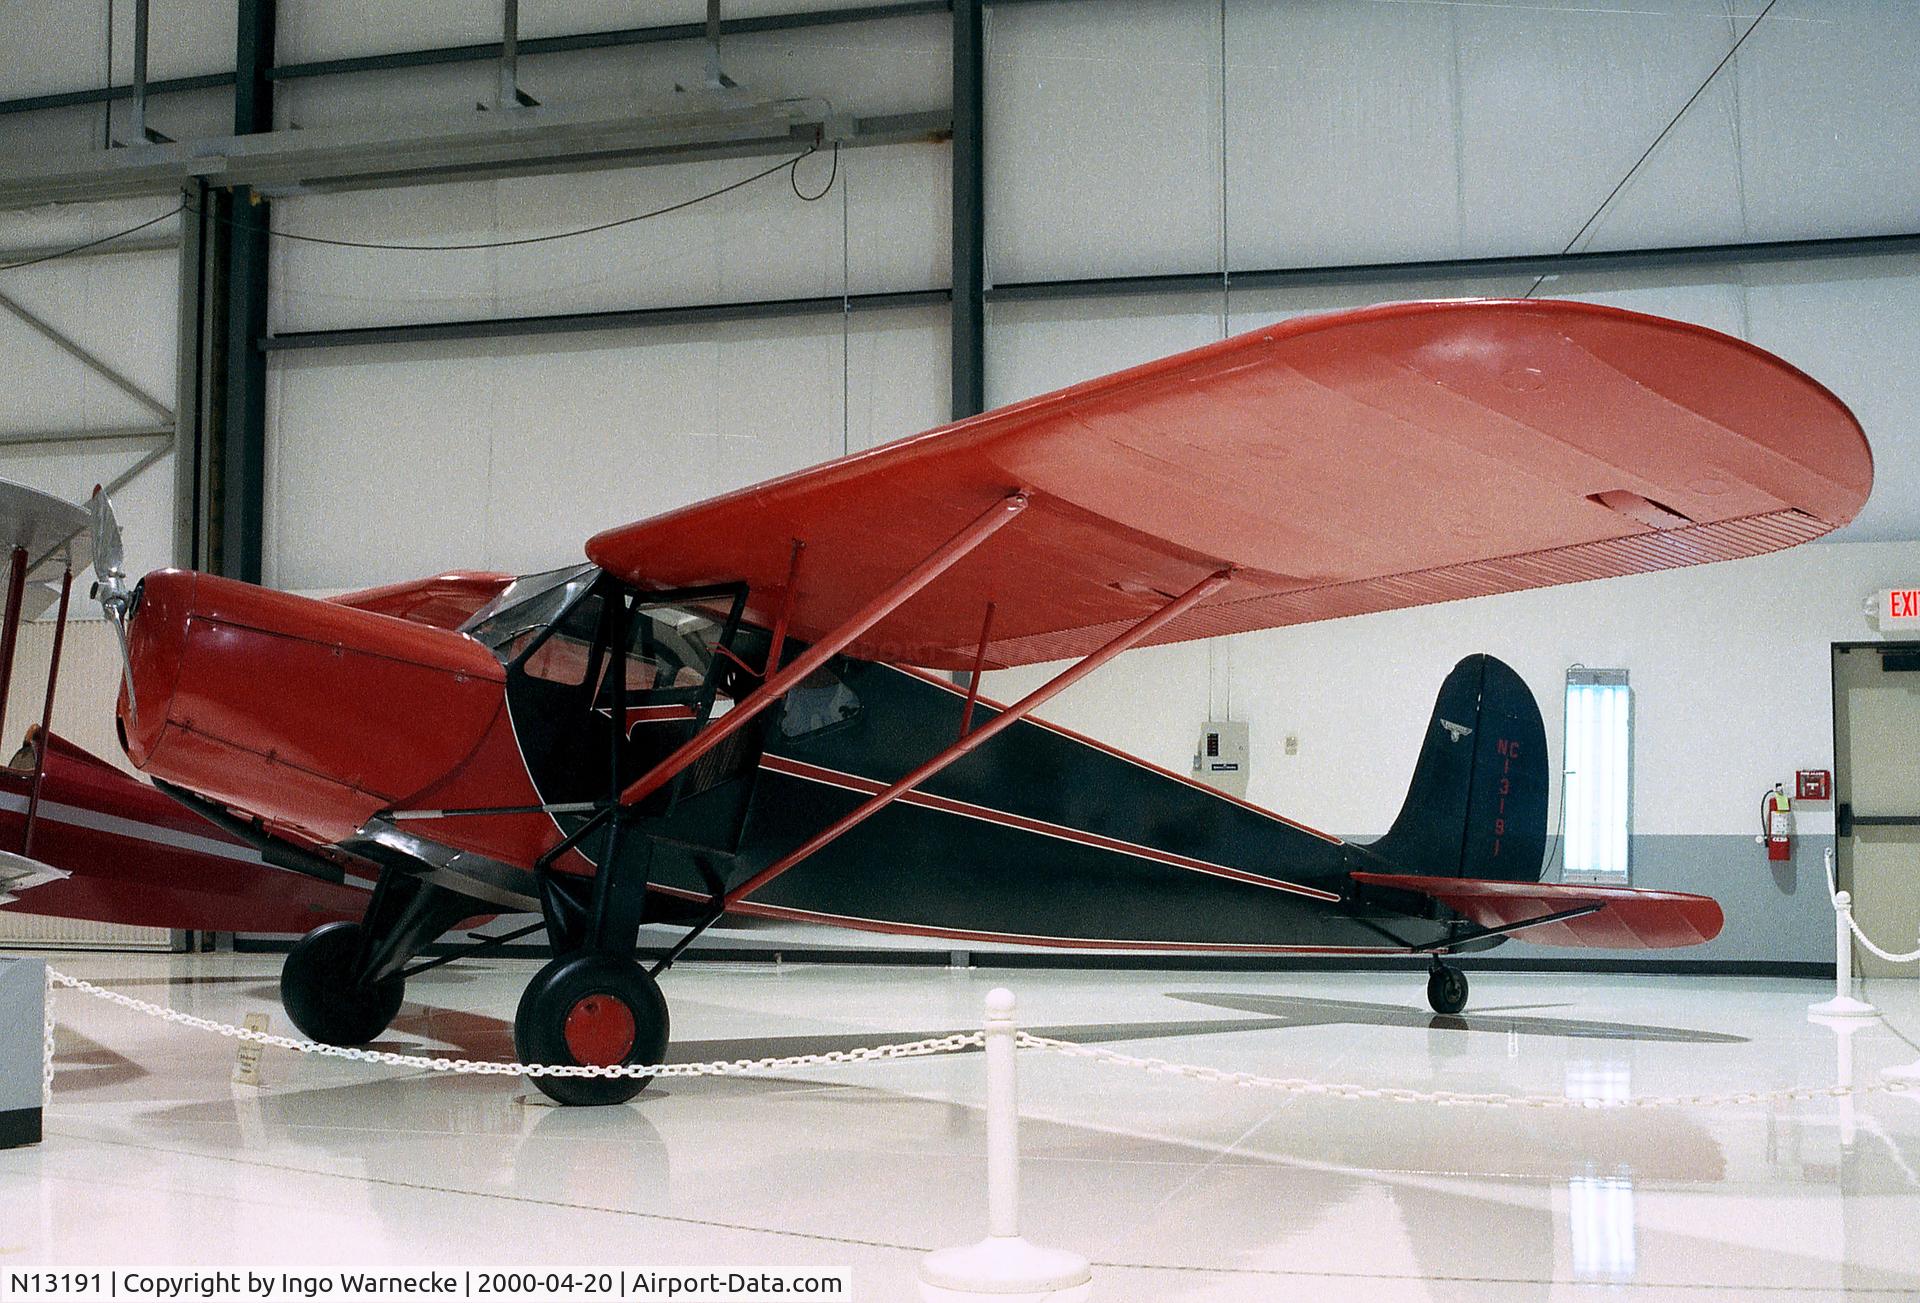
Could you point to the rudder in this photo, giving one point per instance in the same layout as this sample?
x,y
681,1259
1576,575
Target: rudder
x,y
1477,805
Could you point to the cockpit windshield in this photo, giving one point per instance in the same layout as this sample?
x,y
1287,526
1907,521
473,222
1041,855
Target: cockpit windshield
x,y
669,648
527,605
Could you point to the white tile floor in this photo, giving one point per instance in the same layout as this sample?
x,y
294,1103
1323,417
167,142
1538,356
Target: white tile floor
x,y
1177,1190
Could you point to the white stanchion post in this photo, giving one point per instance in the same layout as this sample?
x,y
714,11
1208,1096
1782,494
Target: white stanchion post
x,y
1004,1266
1843,1005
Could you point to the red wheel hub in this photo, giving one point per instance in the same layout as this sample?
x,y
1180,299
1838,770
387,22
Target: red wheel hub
x,y
599,1029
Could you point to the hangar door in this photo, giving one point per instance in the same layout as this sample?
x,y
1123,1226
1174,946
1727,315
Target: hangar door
x,y
1876,717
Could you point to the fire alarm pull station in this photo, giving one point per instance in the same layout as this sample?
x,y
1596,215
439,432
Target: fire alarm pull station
x,y
1813,785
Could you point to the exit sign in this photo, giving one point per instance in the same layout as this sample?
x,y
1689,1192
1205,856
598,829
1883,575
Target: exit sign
x,y
1900,608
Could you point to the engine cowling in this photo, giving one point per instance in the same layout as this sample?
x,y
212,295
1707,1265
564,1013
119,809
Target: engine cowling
x,y
304,712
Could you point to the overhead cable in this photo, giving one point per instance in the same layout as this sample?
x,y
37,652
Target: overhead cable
x,y
1647,153
95,243
790,164
783,165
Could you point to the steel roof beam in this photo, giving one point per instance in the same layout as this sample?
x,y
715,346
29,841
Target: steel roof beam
x,y
1517,266
63,252
91,361
22,438
491,50
626,319
517,143
1761,253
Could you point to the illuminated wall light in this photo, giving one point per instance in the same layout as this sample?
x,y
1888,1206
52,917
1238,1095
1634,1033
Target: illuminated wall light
x,y
1598,798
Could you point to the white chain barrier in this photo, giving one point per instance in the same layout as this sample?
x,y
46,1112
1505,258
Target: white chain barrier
x,y
1865,941
945,1045
46,1042
491,1068
1450,1098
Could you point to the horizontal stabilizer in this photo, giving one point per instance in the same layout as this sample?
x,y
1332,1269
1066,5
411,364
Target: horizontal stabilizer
x,y
1629,918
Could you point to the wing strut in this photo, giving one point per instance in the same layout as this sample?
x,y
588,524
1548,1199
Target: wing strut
x,y
787,597
973,680
10,631
46,714
1012,714
889,600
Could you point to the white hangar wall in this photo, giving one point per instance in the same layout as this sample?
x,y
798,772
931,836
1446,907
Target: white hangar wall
x,y
509,456
1348,133
122,309
1360,131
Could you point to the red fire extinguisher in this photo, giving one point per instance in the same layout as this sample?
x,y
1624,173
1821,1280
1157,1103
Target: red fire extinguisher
x,y
1776,823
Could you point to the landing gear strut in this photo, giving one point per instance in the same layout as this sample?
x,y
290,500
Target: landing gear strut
x,y
1446,988
594,1004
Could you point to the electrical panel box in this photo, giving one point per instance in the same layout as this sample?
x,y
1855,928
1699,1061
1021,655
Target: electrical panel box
x,y
1813,785
1221,760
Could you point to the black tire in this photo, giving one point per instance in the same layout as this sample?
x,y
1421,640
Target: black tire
x,y
591,1009
1446,989
317,987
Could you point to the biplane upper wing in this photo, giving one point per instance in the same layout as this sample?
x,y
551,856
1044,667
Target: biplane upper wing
x,y
55,535
1341,464
1626,918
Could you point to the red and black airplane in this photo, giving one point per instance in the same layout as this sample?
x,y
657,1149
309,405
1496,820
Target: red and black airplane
x,y
716,711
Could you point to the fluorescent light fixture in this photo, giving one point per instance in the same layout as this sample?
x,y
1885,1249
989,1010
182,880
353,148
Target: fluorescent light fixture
x,y
1597,797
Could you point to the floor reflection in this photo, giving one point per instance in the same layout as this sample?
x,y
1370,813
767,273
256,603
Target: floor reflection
x,y
80,1063
426,1029
1301,1011
1600,1228
1282,1195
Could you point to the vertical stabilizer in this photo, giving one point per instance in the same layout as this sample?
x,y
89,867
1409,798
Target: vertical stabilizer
x,y
1477,806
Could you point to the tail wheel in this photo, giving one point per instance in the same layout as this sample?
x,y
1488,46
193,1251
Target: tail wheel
x,y
591,1009
1446,989
323,995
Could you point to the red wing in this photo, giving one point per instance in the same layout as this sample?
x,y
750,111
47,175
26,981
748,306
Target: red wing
x,y
1631,919
1360,461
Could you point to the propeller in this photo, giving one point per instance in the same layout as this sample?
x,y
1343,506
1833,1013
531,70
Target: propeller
x,y
110,584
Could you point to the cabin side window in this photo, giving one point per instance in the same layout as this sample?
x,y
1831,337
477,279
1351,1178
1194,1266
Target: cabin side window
x,y
820,702
566,657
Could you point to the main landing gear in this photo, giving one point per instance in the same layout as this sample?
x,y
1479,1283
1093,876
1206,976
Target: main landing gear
x,y
1446,988
595,1005
591,1009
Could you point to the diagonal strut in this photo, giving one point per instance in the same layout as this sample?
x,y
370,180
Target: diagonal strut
x,y
989,523
965,744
